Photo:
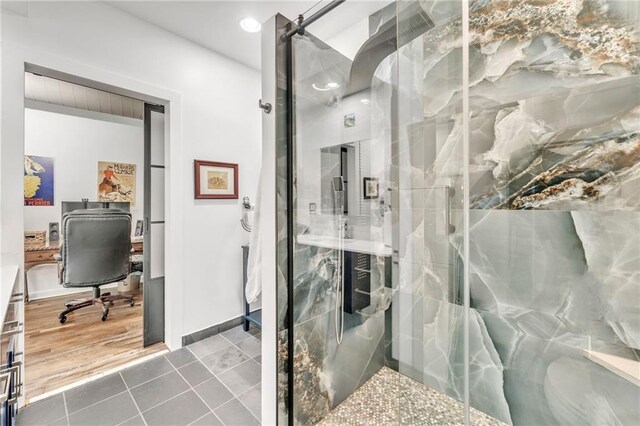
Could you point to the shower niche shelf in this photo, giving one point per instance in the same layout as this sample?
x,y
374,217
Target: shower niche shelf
x,y
357,281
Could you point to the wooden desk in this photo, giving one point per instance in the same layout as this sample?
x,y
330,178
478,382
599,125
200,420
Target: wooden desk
x,y
136,247
44,254
37,255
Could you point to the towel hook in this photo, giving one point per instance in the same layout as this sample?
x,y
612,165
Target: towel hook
x,y
266,107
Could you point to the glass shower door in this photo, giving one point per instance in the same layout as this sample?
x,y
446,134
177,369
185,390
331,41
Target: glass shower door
x,y
339,238
541,135
429,310
378,303
466,245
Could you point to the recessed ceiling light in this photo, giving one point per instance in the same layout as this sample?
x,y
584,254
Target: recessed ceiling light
x,y
328,86
250,25
365,101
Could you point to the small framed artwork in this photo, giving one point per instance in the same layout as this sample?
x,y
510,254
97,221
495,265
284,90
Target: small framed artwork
x,y
215,180
370,188
350,120
139,225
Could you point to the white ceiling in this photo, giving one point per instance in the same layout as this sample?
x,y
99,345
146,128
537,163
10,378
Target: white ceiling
x,y
215,25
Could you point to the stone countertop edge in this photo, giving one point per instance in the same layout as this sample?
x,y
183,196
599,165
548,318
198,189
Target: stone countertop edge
x,y
376,248
9,268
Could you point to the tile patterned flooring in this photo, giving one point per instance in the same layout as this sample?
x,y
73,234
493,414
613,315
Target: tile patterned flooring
x,y
389,398
215,381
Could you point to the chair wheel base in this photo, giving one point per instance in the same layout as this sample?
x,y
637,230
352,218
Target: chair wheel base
x,y
63,319
104,316
132,303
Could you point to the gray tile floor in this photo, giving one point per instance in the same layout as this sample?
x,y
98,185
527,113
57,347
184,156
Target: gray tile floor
x,y
215,381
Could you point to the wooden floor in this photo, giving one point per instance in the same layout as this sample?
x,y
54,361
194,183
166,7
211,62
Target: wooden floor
x,y
57,354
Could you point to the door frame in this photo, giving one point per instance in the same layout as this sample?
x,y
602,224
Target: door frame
x,y
17,60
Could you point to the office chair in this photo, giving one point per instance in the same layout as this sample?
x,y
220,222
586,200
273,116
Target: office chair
x,y
96,250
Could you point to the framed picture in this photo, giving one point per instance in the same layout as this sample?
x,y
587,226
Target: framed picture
x,y
215,180
116,182
370,188
139,225
350,120
38,181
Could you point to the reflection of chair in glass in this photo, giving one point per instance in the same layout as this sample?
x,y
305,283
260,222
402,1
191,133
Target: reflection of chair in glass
x,y
96,249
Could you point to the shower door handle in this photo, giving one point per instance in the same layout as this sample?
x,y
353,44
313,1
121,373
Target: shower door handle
x,y
448,195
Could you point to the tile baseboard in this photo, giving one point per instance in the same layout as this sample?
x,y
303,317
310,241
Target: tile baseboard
x,y
211,331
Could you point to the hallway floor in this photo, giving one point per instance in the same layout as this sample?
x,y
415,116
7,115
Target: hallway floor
x,y
216,381
58,355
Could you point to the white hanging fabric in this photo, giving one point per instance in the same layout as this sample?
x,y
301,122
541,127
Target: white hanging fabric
x,y
254,263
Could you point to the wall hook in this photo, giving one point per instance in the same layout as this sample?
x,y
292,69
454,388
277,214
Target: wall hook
x,y
266,107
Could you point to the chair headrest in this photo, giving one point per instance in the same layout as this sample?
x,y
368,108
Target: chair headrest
x,y
88,212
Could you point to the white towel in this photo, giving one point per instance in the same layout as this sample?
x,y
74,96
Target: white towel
x,y
254,263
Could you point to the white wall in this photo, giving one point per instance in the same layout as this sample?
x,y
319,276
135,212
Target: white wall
x,y
349,41
77,144
323,126
212,116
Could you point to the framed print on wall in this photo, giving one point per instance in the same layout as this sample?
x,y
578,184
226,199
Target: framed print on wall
x,y
215,180
370,188
38,181
116,182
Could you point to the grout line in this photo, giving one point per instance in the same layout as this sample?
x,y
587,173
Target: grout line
x,y
219,419
166,400
226,339
192,362
198,395
245,405
53,421
134,401
205,403
216,376
234,366
200,418
66,410
230,368
173,365
192,353
96,377
233,395
232,392
245,352
150,380
99,402
175,396
130,418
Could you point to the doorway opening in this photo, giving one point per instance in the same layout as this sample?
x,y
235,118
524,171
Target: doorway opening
x,y
89,149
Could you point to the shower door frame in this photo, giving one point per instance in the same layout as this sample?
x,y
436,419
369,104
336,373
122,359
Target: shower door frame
x,y
274,208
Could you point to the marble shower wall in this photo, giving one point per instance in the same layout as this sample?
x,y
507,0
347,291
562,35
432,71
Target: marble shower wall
x,y
554,238
327,373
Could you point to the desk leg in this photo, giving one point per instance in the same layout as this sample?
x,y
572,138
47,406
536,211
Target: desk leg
x,y
26,286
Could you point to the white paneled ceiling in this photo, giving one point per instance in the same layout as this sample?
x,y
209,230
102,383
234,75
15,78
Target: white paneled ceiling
x,y
215,24
57,92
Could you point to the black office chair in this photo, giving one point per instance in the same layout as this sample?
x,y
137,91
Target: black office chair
x,y
96,250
